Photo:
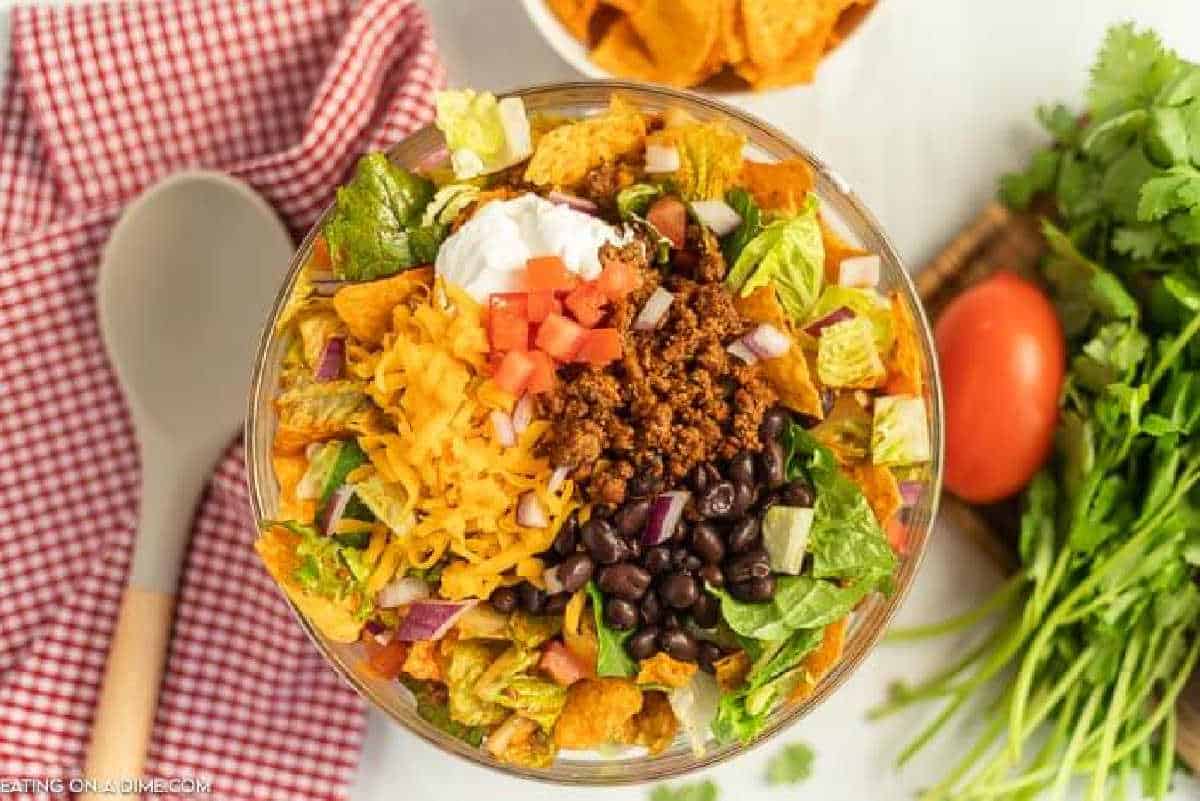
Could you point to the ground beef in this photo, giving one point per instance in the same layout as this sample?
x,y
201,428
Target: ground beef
x,y
676,398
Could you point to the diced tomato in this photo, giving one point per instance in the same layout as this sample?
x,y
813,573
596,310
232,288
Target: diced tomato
x,y
668,215
586,304
512,302
618,279
550,274
514,372
560,337
319,259
540,304
507,331
897,534
600,346
560,664
385,661
543,378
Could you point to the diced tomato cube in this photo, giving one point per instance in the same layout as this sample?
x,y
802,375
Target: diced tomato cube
x,y
618,279
514,372
600,346
512,302
508,331
319,259
548,273
385,661
586,304
897,534
668,215
560,336
543,378
560,664
540,304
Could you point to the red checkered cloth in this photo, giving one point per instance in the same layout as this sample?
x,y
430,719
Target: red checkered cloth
x,y
101,101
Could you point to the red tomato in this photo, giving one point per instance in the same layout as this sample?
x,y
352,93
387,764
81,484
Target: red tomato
x,y
543,377
561,665
586,304
1002,355
618,279
560,336
514,372
668,215
600,346
548,273
507,331
385,661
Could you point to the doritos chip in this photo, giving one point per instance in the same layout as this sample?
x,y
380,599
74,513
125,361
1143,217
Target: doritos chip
x,y
710,157
621,51
564,156
881,489
731,670
904,364
575,15
679,35
337,620
818,664
366,308
837,250
662,669
788,375
654,727
781,186
848,21
773,28
596,712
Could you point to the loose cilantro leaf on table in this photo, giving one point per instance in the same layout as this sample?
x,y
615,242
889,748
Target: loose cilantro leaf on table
x,y
690,791
791,765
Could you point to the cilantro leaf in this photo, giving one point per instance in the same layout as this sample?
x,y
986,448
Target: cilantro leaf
x,y
1175,189
1019,188
791,765
689,791
1130,71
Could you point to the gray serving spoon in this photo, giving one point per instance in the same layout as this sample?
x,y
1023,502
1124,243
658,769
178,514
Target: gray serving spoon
x,y
185,284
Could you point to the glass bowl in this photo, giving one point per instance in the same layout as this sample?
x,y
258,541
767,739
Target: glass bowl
x,y
846,213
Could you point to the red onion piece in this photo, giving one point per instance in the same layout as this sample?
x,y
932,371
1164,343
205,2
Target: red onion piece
x,y
911,492
717,215
654,310
502,424
430,620
767,341
522,414
553,584
836,316
329,363
401,591
859,271
558,477
661,158
665,512
573,201
335,508
530,512
328,289
741,350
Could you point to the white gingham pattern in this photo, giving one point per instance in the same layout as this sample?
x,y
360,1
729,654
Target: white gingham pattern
x,y
103,100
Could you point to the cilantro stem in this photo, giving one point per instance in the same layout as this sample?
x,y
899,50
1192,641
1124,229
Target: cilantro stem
x,y
1172,352
1112,721
1166,764
1001,598
1076,744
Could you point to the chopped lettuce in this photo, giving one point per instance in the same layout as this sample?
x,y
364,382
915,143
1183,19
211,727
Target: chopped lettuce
x,y
847,355
900,434
751,225
469,661
785,537
388,502
612,658
322,409
507,683
312,484
865,302
710,157
484,134
633,201
846,429
325,567
315,330
447,203
789,255
530,631
695,706
438,714
375,228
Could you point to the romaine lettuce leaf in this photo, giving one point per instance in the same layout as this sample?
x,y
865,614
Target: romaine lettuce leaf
x,y
751,225
864,302
438,713
847,355
484,134
612,659
469,661
710,157
789,255
900,434
387,501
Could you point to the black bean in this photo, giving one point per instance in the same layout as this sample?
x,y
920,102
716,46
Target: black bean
x,y
650,610
774,421
556,604
743,535
755,590
716,501
532,599
693,563
575,570
744,496
797,492
669,620
603,511
770,463
656,559
620,614
707,655
625,580
702,476
750,565
679,590
504,599
706,611
707,543
568,535
601,541
679,645
711,574
679,557
633,548
644,644
741,468
631,518
682,530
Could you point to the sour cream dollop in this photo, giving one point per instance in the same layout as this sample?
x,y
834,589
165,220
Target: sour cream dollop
x,y
488,253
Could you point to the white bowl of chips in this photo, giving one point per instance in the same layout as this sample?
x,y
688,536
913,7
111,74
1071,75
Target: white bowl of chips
x,y
717,46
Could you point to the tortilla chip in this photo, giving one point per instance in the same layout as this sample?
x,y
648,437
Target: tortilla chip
x,y
837,250
731,670
679,35
366,308
848,21
564,156
335,619
422,661
654,727
596,712
575,15
818,664
662,669
625,6
621,52
773,27
781,186
905,376
846,430
731,38
881,489
789,375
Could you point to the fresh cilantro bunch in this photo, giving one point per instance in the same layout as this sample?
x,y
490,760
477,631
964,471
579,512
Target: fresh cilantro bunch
x,y
1102,623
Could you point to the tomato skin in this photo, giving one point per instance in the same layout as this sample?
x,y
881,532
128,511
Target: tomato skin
x,y
1002,357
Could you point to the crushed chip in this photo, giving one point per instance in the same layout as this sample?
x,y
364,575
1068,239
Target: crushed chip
x,y
818,664
731,670
366,308
575,15
789,375
837,250
904,362
654,727
662,669
422,662
338,620
779,186
564,155
596,712
881,489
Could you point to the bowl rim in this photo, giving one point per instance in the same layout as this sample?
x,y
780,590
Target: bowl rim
x,y
880,616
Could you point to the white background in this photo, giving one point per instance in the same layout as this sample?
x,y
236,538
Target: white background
x,y
919,111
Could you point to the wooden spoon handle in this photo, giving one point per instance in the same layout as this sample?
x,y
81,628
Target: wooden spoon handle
x,y
129,694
